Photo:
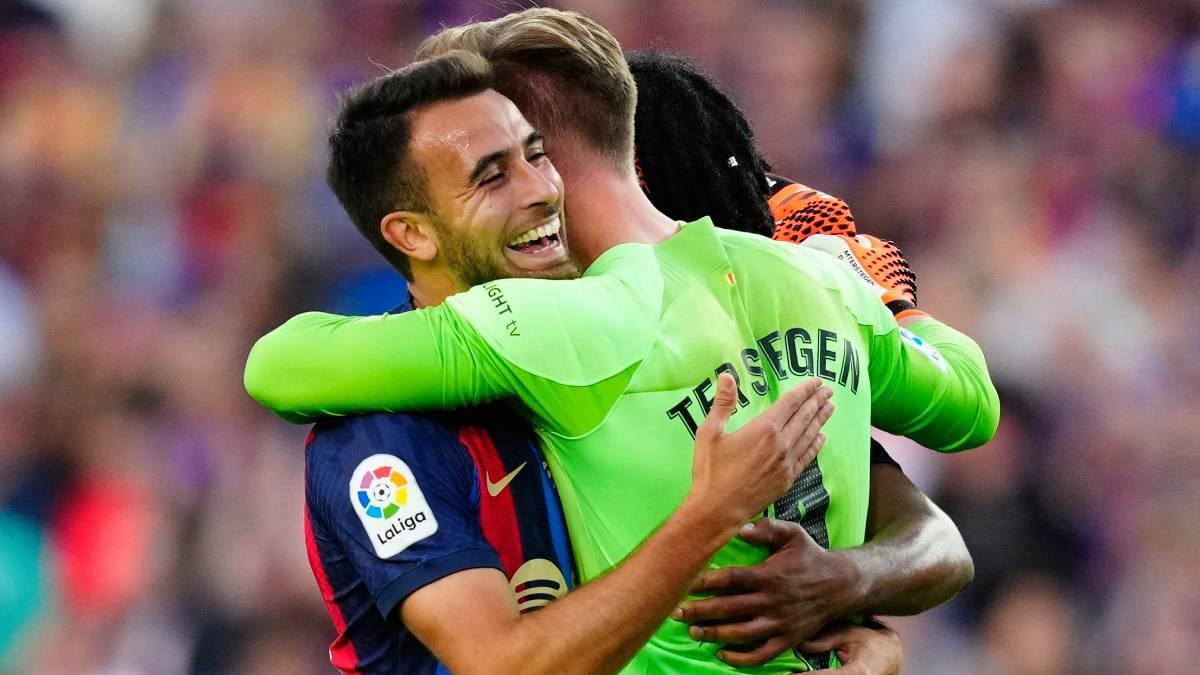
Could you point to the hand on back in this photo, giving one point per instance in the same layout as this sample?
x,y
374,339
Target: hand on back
x,y
738,474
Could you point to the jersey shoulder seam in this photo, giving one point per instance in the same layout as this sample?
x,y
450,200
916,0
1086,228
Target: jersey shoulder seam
x,y
782,251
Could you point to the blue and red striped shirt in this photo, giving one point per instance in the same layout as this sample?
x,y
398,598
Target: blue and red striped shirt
x,y
478,474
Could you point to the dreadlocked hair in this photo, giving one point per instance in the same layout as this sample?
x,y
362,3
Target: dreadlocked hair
x,y
696,154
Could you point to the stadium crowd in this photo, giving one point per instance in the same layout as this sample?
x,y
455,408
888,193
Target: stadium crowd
x,y
162,204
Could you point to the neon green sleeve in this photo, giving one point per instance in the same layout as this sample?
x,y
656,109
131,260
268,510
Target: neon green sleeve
x,y
928,382
959,408
323,364
566,349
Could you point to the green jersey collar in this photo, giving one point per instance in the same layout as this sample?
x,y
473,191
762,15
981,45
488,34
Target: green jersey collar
x,y
697,241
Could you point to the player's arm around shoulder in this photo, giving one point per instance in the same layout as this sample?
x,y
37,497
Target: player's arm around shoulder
x,y
872,274
575,332
928,381
319,364
934,355
568,347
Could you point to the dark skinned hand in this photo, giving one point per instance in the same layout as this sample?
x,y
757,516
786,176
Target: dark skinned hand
x,y
784,600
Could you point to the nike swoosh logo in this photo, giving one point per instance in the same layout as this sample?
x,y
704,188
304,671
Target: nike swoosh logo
x,y
498,487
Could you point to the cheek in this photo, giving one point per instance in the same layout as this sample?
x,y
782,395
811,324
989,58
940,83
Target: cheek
x,y
485,218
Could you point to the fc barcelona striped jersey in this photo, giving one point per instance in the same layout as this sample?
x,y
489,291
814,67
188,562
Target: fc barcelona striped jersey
x,y
394,502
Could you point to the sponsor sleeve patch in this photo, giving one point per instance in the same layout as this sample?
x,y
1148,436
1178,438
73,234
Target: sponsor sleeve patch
x,y
925,348
390,504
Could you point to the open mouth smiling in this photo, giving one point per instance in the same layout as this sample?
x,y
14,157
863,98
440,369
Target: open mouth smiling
x,y
541,239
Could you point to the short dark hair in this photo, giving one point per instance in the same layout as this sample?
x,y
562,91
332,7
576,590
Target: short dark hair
x,y
369,166
688,135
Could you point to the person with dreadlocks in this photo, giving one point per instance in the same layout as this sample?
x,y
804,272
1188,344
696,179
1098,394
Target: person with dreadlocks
x,y
689,130
692,131
689,133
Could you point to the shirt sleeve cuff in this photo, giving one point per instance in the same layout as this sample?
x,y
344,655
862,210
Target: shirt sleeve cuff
x,y
430,571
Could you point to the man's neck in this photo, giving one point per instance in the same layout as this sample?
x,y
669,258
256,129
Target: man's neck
x,y
604,208
431,286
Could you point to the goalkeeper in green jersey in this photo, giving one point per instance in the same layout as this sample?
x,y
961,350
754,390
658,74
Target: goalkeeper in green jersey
x,y
626,357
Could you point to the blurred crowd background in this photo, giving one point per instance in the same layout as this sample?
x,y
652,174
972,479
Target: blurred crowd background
x,y
162,204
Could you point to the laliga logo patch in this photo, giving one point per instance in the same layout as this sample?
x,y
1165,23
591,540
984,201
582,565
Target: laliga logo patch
x,y
925,348
390,504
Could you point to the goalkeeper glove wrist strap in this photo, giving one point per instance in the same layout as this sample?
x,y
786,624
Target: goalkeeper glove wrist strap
x,y
911,312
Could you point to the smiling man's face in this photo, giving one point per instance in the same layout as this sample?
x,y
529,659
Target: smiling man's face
x,y
495,196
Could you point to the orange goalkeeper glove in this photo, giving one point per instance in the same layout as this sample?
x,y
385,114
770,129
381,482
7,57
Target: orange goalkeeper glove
x,y
803,214
879,263
801,211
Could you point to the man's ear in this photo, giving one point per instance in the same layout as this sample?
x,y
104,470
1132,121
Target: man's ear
x,y
411,233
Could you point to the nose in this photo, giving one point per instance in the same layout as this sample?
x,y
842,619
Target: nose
x,y
539,184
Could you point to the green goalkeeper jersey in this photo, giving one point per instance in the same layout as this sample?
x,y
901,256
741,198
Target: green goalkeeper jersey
x,y
616,370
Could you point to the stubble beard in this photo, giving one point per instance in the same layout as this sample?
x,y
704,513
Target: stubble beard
x,y
473,262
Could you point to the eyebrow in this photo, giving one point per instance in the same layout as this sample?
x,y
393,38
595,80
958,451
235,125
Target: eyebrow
x,y
491,158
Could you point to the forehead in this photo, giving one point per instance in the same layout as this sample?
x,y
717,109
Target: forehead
x,y
451,136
